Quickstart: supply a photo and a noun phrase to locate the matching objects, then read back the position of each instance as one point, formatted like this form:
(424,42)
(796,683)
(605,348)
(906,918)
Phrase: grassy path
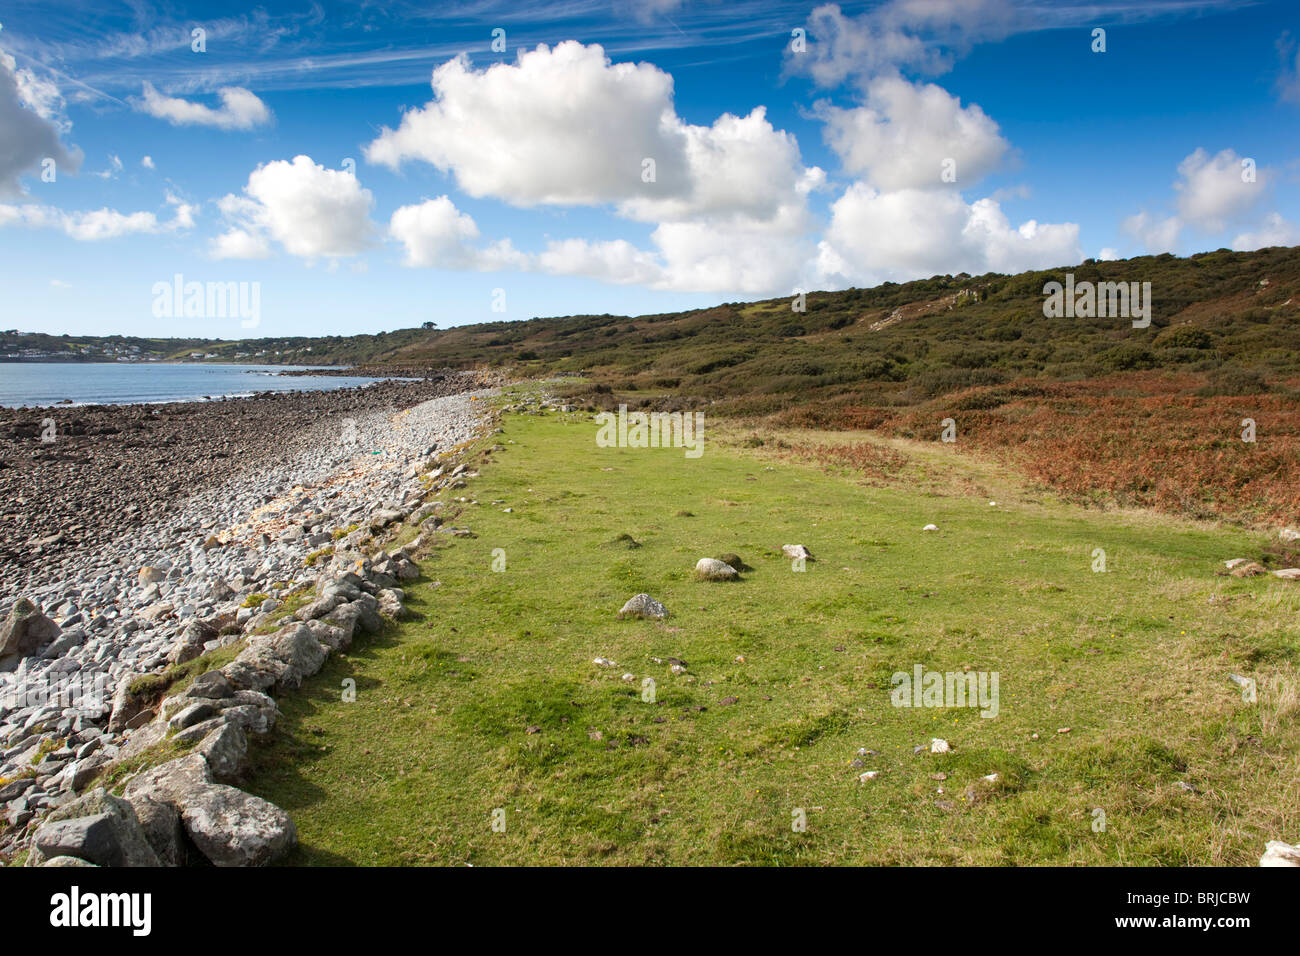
(1134,662)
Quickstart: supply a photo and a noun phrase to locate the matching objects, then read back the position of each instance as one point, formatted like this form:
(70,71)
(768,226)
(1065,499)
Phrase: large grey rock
(317,608)
(195,713)
(99,828)
(210,685)
(228,826)
(190,644)
(254,719)
(172,781)
(26,631)
(125,705)
(345,617)
(86,770)
(405,569)
(233,828)
(282,660)
(331,635)
(253,672)
(161,823)
(15,789)
(66,642)
(390,603)
(711,569)
(643,605)
(225,747)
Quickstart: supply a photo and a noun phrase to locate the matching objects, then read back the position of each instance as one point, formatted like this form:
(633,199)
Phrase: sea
(120,383)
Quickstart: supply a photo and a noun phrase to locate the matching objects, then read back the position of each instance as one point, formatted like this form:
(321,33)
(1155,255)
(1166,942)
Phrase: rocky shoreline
(109,468)
(101,624)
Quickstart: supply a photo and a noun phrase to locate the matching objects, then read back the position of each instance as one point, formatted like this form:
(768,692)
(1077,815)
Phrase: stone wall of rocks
(71,649)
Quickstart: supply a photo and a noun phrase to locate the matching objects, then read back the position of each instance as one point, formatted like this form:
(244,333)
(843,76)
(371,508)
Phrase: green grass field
(488,698)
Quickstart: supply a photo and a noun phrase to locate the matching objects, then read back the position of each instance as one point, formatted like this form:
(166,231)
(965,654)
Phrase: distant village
(12,349)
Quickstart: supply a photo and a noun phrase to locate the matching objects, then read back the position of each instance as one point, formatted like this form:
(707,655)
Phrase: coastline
(248,381)
(237,505)
(113,468)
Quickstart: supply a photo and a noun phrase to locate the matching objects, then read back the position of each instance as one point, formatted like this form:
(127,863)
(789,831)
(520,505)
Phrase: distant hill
(894,344)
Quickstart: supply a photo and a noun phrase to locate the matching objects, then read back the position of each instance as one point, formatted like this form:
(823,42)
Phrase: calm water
(118,383)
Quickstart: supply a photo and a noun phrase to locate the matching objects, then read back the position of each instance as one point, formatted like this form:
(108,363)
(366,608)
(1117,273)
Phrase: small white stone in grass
(603,662)
(1278,853)
(869,775)
(629,677)
(939,746)
(1234,563)
(931,527)
(993,504)
(677,669)
(991,778)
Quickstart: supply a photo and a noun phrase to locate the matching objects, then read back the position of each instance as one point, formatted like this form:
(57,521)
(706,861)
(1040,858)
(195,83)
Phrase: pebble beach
(141,527)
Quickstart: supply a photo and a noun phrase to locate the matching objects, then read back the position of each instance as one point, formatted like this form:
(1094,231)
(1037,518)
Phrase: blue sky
(517,178)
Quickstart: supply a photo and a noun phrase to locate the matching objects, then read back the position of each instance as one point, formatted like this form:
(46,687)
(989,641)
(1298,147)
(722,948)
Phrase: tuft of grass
(177,677)
(315,556)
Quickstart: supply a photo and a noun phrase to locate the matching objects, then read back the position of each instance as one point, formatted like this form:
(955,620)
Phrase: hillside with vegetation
(1091,407)
(1231,314)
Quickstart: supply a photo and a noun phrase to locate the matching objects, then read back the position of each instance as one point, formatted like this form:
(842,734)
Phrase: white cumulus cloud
(565,126)
(97,224)
(1157,235)
(309,210)
(240,109)
(29,129)
(1273,231)
(921,35)
(907,234)
(437,235)
(1211,194)
(904,133)
(1215,190)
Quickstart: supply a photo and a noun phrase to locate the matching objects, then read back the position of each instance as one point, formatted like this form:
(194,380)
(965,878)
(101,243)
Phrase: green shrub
(1184,337)
(1128,356)
(1232,380)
